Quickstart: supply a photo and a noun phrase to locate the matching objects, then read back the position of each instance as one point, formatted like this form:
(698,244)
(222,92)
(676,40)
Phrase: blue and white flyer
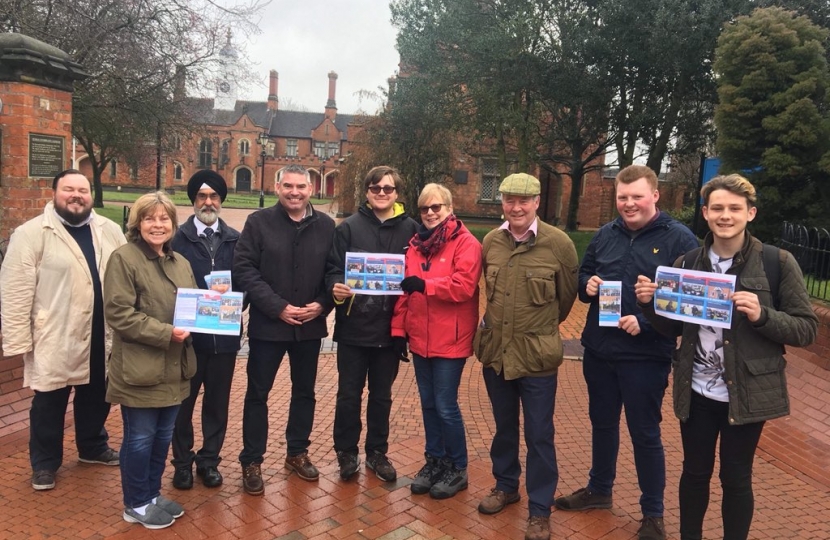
(374,273)
(610,303)
(694,297)
(208,312)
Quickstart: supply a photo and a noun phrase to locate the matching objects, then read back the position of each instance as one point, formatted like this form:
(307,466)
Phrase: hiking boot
(252,479)
(451,482)
(651,528)
(183,478)
(496,501)
(348,463)
(107,457)
(382,467)
(171,507)
(538,528)
(583,499)
(154,517)
(43,480)
(301,465)
(427,476)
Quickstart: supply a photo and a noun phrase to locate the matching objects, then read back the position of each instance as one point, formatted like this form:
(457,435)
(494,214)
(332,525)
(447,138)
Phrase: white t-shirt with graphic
(707,372)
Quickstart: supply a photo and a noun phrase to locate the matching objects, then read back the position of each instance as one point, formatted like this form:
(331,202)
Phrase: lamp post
(322,181)
(263,140)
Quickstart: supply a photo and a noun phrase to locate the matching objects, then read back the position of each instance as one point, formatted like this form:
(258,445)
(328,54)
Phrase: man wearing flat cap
(208,243)
(530,275)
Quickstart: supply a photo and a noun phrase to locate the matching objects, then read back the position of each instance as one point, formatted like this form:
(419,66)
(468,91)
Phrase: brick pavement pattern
(792,476)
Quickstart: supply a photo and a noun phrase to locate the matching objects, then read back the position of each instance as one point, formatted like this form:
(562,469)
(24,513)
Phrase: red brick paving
(792,476)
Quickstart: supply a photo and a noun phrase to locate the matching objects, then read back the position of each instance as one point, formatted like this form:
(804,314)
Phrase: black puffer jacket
(187,243)
(753,352)
(366,320)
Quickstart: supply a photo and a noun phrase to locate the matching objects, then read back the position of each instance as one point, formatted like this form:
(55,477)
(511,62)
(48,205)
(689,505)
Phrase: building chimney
(179,82)
(392,81)
(331,104)
(273,99)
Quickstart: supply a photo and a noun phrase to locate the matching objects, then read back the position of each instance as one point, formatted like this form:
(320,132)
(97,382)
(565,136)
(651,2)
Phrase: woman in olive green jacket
(151,360)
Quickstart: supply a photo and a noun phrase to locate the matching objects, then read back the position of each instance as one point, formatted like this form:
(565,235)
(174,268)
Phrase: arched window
(244,147)
(224,156)
(177,172)
(205,153)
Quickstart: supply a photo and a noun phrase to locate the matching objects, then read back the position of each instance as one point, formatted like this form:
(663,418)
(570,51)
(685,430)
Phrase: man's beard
(208,217)
(71,217)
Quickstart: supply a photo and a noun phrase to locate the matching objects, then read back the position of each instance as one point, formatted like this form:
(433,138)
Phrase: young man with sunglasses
(365,348)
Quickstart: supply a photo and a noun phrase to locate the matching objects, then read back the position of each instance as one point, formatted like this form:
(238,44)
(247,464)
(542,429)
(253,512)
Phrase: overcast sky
(304,40)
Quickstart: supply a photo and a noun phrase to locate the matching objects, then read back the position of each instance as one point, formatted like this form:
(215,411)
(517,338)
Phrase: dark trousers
(707,420)
(215,372)
(537,398)
(639,387)
(264,360)
(354,366)
(48,412)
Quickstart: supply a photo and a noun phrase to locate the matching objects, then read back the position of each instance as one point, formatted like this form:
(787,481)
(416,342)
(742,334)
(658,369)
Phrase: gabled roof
(204,113)
(297,124)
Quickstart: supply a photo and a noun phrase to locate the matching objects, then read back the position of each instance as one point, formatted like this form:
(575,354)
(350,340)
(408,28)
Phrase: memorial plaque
(45,155)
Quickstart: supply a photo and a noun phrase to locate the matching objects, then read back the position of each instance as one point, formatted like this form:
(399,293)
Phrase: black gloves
(399,346)
(413,284)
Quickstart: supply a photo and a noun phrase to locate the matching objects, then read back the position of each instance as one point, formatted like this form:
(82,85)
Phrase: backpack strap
(773,259)
(688,259)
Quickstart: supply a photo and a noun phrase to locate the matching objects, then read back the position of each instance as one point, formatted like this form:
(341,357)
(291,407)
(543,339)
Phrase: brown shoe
(496,501)
(538,528)
(301,465)
(252,479)
(651,528)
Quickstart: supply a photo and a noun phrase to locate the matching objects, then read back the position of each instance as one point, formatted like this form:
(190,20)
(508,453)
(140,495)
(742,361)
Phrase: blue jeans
(537,396)
(438,381)
(143,455)
(640,387)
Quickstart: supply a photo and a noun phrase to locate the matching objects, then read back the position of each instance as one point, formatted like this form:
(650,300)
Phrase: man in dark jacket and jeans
(363,327)
(628,365)
(280,262)
(207,242)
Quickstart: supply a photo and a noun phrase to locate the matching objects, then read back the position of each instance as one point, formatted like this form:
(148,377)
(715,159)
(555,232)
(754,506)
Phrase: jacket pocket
(490,281)
(759,286)
(483,345)
(142,365)
(543,352)
(188,360)
(765,384)
(541,287)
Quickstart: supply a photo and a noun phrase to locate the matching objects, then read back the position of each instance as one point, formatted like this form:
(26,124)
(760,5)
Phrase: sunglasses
(386,189)
(435,209)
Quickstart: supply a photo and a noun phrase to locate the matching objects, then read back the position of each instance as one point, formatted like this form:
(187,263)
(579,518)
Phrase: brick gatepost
(36,85)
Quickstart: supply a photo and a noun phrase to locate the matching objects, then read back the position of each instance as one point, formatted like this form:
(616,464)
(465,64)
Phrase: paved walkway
(792,484)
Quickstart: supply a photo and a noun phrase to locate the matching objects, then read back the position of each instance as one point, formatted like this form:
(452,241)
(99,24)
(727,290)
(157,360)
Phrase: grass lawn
(580,238)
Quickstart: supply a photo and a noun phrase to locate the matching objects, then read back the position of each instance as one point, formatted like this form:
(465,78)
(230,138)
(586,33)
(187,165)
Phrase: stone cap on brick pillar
(25,59)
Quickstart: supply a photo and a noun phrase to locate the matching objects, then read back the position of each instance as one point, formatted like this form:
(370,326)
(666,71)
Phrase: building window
(177,172)
(291,147)
(244,147)
(113,168)
(320,149)
(490,180)
(224,156)
(176,143)
(332,149)
(205,153)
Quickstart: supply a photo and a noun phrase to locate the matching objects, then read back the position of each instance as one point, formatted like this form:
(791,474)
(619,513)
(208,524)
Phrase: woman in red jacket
(439,314)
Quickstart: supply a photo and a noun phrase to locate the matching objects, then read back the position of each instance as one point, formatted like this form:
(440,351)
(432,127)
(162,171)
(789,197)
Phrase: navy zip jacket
(187,243)
(615,254)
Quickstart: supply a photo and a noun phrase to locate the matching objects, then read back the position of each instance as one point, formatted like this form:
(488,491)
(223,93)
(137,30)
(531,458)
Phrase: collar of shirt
(200,227)
(67,224)
(533,229)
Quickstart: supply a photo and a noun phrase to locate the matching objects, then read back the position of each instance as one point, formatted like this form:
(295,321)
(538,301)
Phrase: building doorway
(243,180)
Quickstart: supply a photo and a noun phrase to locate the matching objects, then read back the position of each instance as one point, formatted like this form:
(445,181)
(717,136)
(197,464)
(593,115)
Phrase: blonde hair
(146,205)
(733,183)
(435,190)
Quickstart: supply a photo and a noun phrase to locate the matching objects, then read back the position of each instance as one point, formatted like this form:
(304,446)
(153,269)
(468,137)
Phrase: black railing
(811,248)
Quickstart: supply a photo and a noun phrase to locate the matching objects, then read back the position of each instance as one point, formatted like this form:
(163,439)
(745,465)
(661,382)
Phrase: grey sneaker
(583,499)
(171,507)
(382,467)
(429,474)
(153,518)
(107,457)
(651,528)
(451,482)
(43,480)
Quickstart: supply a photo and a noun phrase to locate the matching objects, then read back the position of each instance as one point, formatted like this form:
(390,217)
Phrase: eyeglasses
(202,197)
(386,189)
(434,207)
